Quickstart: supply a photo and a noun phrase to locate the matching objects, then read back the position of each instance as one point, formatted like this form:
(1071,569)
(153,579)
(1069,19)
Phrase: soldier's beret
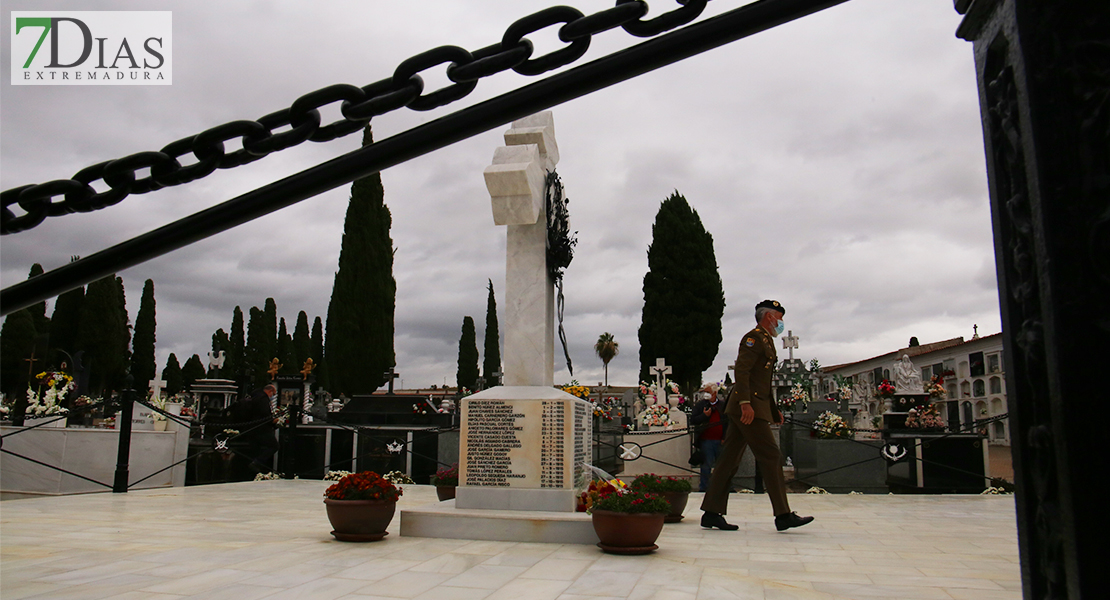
(772,304)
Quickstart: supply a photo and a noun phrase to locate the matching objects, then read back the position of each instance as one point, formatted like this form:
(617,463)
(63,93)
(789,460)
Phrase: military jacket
(755,364)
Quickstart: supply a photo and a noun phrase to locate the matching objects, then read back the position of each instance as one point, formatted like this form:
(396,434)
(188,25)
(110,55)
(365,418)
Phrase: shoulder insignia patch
(749,342)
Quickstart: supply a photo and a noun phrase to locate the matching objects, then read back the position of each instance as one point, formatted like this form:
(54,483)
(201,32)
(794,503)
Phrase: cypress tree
(234,366)
(192,371)
(302,343)
(172,375)
(38,310)
(104,336)
(269,337)
(21,350)
(65,322)
(317,354)
(143,365)
(359,344)
(491,362)
(683,296)
(467,375)
(220,342)
(17,343)
(252,352)
(285,352)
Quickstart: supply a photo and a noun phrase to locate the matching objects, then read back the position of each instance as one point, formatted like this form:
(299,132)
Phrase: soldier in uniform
(751,410)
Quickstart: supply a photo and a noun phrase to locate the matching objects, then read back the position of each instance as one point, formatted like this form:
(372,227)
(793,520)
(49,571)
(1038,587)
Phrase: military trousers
(765,448)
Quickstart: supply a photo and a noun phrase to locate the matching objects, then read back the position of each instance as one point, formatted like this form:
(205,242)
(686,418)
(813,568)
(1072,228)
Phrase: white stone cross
(660,369)
(791,342)
(156,387)
(515,182)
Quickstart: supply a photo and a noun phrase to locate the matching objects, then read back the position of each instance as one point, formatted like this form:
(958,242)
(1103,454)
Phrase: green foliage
(491,363)
(633,502)
(262,344)
(143,365)
(172,375)
(192,371)
(683,296)
(104,335)
(467,375)
(359,343)
(606,348)
(650,482)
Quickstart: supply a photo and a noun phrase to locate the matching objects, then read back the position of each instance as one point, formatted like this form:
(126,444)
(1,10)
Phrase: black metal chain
(357,105)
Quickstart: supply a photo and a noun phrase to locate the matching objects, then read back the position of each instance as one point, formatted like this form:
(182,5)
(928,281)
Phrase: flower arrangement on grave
(160,404)
(446,476)
(797,399)
(606,408)
(885,389)
(576,389)
(927,417)
(336,475)
(366,485)
(5,408)
(830,425)
(644,392)
(48,402)
(935,388)
(657,415)
(421,409)
(397,478)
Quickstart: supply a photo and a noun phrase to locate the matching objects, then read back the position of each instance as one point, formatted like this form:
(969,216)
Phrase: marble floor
(270,540)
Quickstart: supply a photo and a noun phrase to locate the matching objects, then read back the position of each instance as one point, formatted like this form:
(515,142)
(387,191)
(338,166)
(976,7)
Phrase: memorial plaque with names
(529,444)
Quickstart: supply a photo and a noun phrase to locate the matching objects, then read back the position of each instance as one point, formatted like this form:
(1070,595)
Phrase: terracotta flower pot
(360,520)
(445,492)
(678,505)
(624,533)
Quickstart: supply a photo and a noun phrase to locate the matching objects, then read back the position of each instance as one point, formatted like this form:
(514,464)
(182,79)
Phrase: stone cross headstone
(515,182)
(661,370)
(522,444)
(790,342)
(156,387)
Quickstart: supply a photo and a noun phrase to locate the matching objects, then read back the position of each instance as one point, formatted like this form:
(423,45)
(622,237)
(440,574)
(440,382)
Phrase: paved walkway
(270,540)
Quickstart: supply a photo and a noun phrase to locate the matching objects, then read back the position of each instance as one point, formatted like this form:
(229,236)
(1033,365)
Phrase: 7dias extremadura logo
(92,48)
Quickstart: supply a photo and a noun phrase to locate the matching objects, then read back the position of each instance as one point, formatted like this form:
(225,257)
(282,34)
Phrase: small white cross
(156,387)
(660,369)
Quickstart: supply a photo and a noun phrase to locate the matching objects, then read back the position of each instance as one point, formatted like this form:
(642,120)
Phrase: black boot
(790,519)
(709,520)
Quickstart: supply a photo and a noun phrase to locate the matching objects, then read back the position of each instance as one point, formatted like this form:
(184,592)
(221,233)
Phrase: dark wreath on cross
(560,246)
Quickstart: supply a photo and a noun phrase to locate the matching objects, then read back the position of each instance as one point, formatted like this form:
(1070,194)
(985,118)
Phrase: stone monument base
(444,520)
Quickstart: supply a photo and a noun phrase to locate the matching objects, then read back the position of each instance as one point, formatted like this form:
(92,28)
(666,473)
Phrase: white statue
(907,379)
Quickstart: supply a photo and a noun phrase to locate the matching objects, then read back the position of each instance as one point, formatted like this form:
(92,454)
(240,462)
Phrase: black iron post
(123,425)
(1043,70)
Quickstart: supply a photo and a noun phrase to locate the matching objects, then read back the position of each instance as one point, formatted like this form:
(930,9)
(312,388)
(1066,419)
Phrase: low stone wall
(816,461)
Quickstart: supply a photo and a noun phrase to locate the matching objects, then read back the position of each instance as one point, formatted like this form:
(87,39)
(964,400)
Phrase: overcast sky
(836,160)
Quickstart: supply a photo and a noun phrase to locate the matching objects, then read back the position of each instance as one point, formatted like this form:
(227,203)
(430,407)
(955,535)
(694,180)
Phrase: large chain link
(357,106)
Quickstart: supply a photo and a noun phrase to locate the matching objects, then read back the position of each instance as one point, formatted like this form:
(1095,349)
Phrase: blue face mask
(779,328)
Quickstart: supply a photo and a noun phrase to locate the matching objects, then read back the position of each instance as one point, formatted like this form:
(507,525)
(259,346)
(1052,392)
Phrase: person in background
(709,419)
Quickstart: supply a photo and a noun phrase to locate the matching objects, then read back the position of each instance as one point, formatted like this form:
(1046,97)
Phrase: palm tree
(606,348)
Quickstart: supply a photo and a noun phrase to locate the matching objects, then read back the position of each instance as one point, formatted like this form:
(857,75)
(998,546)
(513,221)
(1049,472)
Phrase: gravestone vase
(360,520)
(627,533)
